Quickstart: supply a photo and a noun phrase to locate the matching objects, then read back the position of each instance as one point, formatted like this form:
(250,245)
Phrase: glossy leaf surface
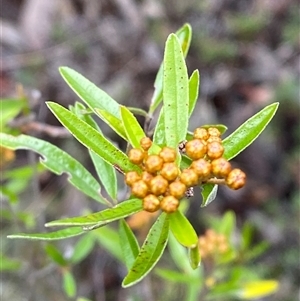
(184,35)
(106,174)
(115,123)
(248,131)
(58,162)
(209,193)
(183,230)
(103,217)
(129,245)
(91,138)
(134,131)
(150,252)
(89,92)
(57,235)
(194,83)
(175,93)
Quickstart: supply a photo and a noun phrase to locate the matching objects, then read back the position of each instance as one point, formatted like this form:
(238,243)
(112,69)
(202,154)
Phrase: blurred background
(247,52)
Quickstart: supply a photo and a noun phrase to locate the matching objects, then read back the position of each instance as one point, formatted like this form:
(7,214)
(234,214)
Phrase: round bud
(177,189)
(202,168)
(214,139)
(131,177)
(169,204)
(151,203)
(201,133)
(169,171)
(146,177)
(189,177)
(145,143)
(153,163)
(220,167)
(195,149)
(168,154)
(136,156)
(158,185)
(236,179)
(215,150)
(139,189)
(214,132)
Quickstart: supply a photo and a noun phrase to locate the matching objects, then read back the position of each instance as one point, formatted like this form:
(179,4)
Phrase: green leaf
(159,131)
(69,284)
(194,256)
(258,289)
(209,193)
(183,230)
(58,162)
(91,138)
(248,131)
(9,264)
(134,131)
(175,276)
(151,251)
(9,109)
(129,245)
(194,83)
(184,35)
(82,248)
(179,254)
(105,171)
(55,255)
(106,174)
(57,235)
(175,93)
(108,238)
(89,93)
(115,123)
(101,218)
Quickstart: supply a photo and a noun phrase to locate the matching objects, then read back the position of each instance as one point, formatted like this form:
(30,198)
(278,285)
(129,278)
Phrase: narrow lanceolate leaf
(105,171)
(57,235)
(209,193)
(159,131)
(134,131)
(58,162)
(106,174)
(183,230)
(194,257)
(175,93)
(89,93)
(194,83)
(91,138)
(150,252)
(248,131)
(113,122)
(184,35)
(129,245)
(101,218)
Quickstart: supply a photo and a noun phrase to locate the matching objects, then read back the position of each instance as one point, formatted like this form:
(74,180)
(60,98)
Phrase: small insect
(189,192)
(181,146)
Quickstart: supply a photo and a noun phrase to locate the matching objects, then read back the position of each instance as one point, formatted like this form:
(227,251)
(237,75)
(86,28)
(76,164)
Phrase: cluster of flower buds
(162,183)
(212,243)
(158,184)
(206,151)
